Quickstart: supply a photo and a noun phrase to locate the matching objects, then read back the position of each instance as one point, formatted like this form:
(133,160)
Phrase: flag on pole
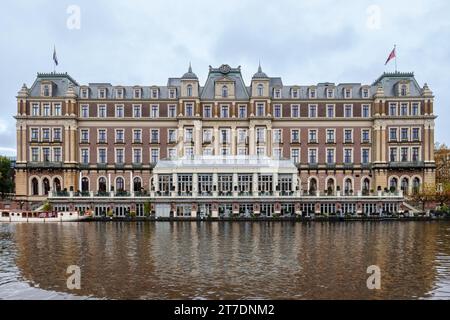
(391,56)
(55,58)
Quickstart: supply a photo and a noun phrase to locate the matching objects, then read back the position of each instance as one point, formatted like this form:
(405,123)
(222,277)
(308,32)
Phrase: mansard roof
(388,81)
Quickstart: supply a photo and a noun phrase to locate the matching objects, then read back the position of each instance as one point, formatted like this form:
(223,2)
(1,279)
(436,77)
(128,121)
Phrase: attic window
(312,93)
(155,94)
(403,90)
(137,93)
(277,93)
(172,94)
(330,93)
(348,93)
(46,91)
(84,93)
(102,93)
(365,93)
(294,93)
(119,93)
(224,92)
(189,90)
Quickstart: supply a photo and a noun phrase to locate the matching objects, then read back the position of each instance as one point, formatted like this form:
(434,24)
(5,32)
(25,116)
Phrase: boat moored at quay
(41,217)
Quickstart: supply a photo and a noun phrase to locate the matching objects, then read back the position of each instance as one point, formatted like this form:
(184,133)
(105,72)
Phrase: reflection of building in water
(231,260)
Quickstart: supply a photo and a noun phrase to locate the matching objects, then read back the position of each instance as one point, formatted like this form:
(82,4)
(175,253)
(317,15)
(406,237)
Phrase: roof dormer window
(46,90)
(277,93)
(189,90)
(102,93)
(403,90)
(224,92)
(312,93)
(294,93)
(172,93)
(84,93)
(137,93)
(155,93)
(365,93)
(348,93)
(119,93)
(330,93)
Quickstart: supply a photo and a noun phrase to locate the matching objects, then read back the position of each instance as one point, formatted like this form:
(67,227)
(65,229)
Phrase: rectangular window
(295,155)
(330,110)
(295,136)
(330,136)
(242,151)
(225,136)
(261,151)
(102,136)
(102,156)
(277,153)
(188,135)
(392,109)
(365,154)
(393,134)
(172,94)
(242,136)
(154,136)
(330,156)
(404,154)
(85,136)
(348,93)
(172,153)
(34,154)
(137,111)
(277,135)
(189,110)
(348,111)
(415,134)
(207,112)
(120,156)
(260,110)
(172,136)
(137,136)
(365,136)
(224,112)
(295,111)
(365,111)
(85,111)
(348,156)
(404,134)
(312,156)
(415,111)
(57,155)
(260,135)
(312,138)
(84,156)
(46,134)
(46,108)
(277,111)
(34,134)
(207,135)
(137,156)
(189,152)
(404,109)
(172,112)
(154,111)
(312,111)
(120,136)
(348,136)
(46,155)
(393,154)
(57,109)
(35,110)
(119,111)
(102,111)
(242,111)
(415,154)
(57,134)
(137,93)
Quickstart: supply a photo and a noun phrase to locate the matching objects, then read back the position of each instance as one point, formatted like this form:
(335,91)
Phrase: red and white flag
(391,56)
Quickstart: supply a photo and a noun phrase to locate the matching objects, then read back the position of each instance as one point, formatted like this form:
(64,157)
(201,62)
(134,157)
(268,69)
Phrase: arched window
(120,184)
(224,92)
(348,186)
(137,184)
(403,90)
(416,185)
(102,184)
(46,186)
(405,185)
(85,184)
(260,90)
(366,186)
(393,184)
(312,186)
(189,90)
(35,187)
(56,185)
(330,186)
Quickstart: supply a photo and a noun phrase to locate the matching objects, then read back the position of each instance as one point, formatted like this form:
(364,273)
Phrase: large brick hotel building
(223,148)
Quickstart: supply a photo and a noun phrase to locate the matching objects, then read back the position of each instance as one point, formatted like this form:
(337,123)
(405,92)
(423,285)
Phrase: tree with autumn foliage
(426,195)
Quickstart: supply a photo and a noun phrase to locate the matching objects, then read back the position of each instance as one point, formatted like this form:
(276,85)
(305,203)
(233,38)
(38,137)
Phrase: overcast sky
(145,42)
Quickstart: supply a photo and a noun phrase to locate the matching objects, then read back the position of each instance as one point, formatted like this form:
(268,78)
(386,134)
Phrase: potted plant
(132,214)
(109,213)
(47,207)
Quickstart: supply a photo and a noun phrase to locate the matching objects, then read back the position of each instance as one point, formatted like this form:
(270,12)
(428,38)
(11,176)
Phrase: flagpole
(395,51)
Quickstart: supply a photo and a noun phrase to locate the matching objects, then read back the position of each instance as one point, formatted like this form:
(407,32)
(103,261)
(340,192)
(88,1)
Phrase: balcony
(313,165)
(331,165)
(102,165)
(84,141)
(137,165)
(120,141)
(119,165)
(121,194)
(84,166)
(45,164)
(102,141)
(406,164)
(348,165)
(137,141)
(154,141)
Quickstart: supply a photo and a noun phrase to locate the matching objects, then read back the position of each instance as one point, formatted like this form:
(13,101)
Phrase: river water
(225,260)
